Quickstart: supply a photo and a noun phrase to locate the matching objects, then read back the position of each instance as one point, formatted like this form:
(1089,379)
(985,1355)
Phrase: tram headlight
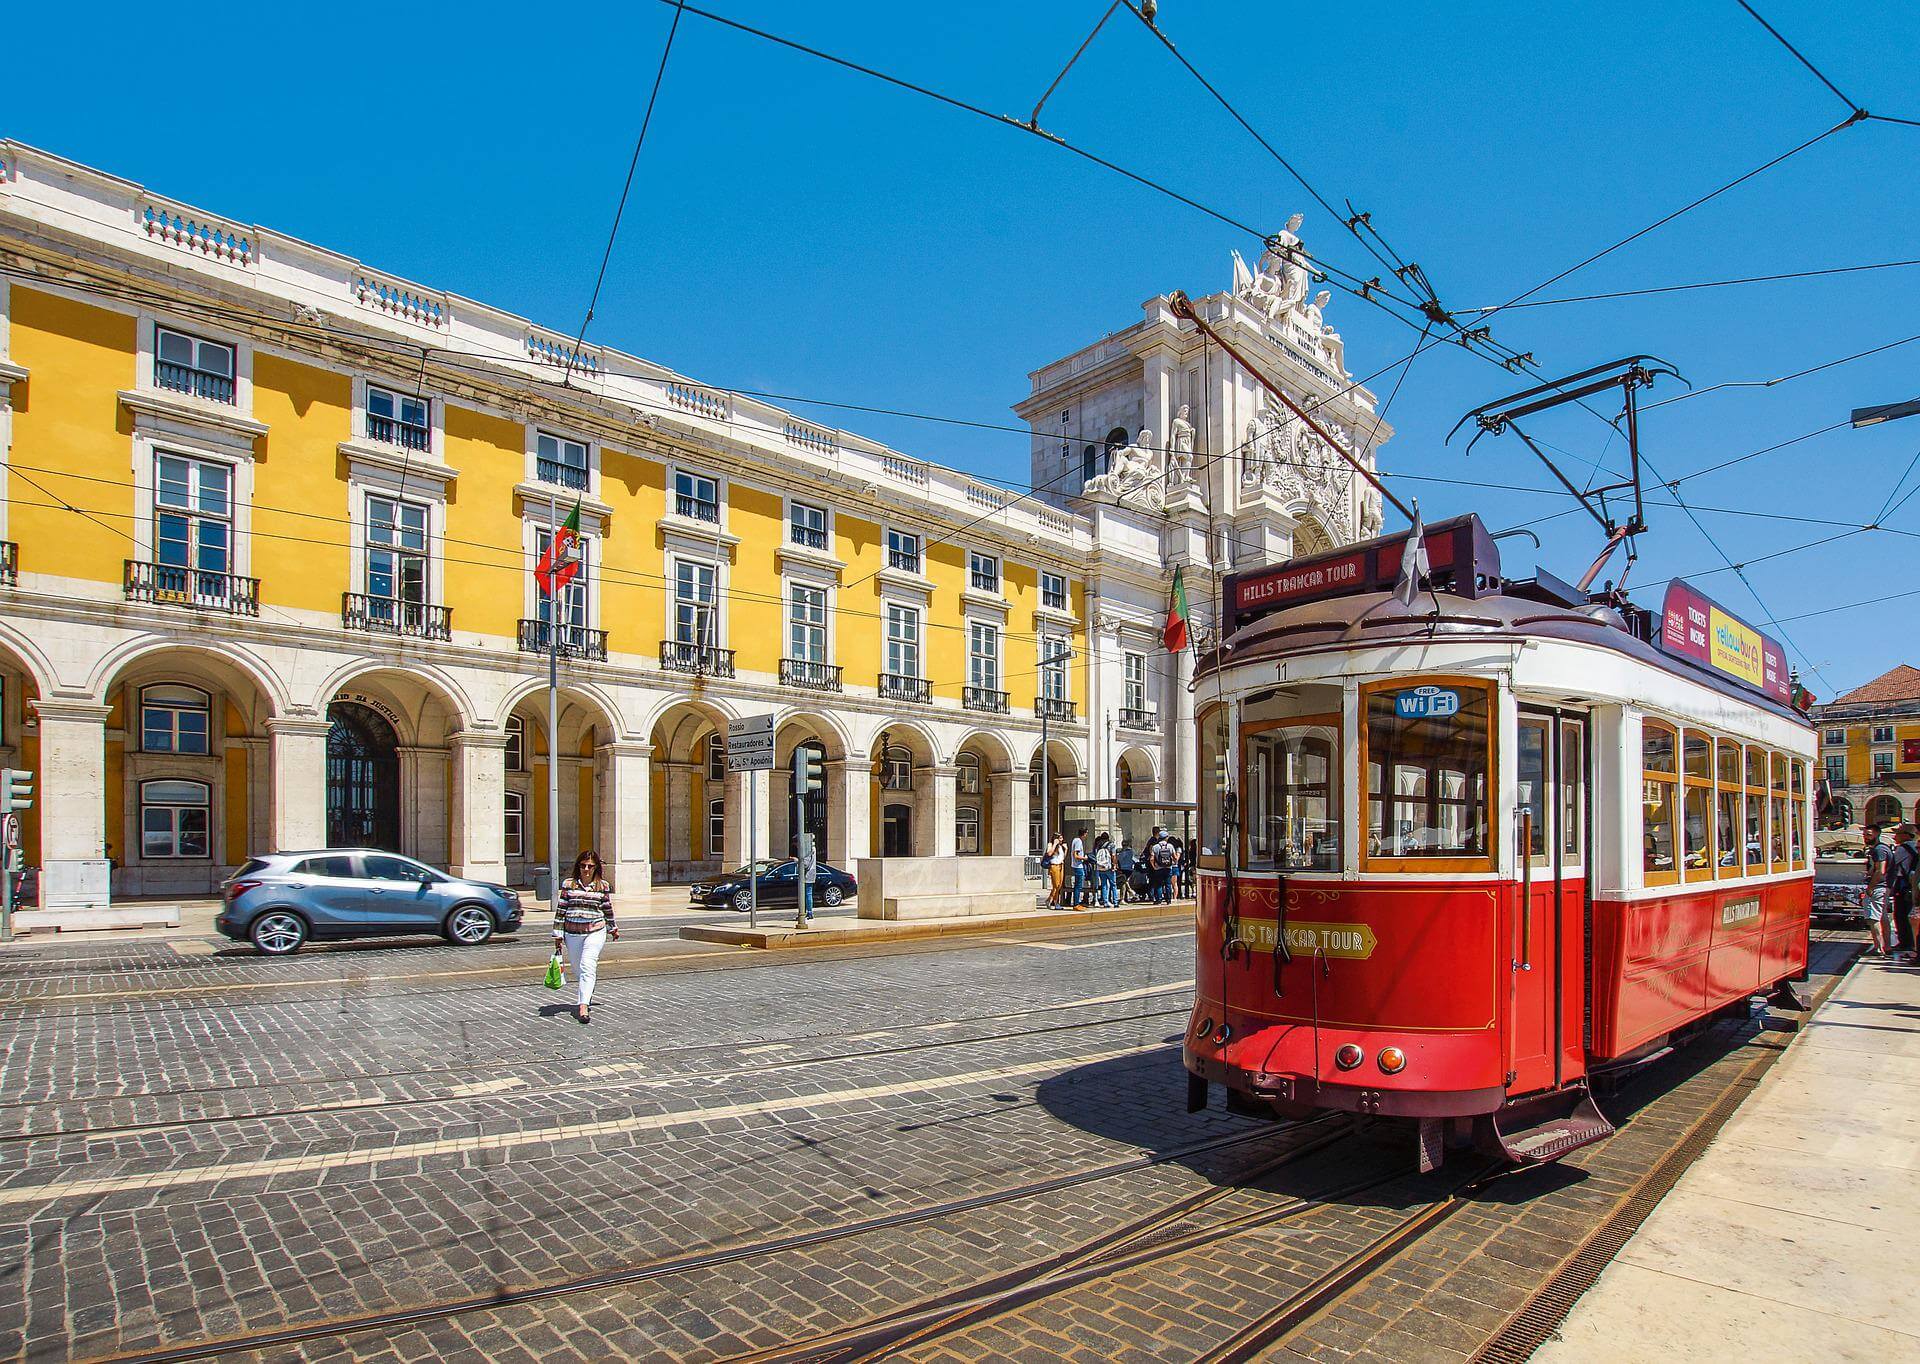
(1348,1057)
(1392,1060)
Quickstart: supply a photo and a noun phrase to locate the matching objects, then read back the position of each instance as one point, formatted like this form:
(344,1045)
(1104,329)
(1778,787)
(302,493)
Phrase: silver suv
(279,901)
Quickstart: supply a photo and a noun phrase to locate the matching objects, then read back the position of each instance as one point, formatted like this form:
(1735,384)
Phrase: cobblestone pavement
(946,1149)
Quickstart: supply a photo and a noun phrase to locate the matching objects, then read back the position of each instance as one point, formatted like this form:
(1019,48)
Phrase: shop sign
(1355,942)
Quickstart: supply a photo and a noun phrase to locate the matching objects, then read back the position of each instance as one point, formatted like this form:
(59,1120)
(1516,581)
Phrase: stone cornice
(194,411)
(394,459)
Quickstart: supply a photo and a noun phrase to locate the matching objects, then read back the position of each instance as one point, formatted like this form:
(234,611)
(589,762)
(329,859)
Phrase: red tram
(1456,857)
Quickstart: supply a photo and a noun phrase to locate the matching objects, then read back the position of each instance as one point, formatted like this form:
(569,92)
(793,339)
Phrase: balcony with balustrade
(411,437)
(194,588)
(696,508)
(561,474)
(571,641)
(390,616)
(701,660)
(9,563)
(199,383)
(899,687)
(1054,707)
(988,699)
(811,676)
(1135,717)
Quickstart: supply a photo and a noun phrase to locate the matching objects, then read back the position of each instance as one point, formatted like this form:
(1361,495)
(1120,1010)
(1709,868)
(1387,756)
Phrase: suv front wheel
(278,932)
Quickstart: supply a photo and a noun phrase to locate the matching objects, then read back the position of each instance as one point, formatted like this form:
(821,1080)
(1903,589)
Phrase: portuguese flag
(1174,634)
(558,565)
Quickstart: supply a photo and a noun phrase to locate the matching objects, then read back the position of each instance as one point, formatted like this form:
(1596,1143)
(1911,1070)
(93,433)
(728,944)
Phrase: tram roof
(1344,600)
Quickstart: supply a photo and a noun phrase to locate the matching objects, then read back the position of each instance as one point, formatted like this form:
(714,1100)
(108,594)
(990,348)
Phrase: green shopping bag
(556,974)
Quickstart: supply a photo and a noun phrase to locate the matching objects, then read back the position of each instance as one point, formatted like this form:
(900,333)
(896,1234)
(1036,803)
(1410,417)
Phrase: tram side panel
(1662,962)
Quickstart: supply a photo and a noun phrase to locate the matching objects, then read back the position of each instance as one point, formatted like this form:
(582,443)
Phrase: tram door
(1546,947)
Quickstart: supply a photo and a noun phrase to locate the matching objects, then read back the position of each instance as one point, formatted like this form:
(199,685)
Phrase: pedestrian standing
(1126,860)
(1077,852)
(1056,856)
(1874,902)
(806,867)
(1104,890)
(1903,863)
(1161,859)
(583,924)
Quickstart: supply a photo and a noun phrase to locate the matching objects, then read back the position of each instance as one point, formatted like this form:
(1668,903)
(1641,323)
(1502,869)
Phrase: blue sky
(801,229)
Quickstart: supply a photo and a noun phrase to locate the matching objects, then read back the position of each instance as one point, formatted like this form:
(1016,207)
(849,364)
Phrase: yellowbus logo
(1735,649)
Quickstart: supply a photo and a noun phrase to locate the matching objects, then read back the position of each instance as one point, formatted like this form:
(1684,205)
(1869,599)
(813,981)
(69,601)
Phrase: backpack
(1902,861)
(1103,858)
(1163,855)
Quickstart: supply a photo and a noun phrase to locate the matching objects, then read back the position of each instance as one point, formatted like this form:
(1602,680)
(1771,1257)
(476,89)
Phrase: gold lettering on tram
(1354,942)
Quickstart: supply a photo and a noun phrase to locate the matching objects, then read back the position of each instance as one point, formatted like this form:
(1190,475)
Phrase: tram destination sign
(1460,553)
(1695,627)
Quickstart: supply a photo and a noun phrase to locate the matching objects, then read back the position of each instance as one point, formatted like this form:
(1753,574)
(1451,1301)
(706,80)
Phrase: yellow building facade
(271,525)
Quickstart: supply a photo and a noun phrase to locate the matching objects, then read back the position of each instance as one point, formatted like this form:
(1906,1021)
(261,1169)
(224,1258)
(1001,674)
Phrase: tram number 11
(1426,703)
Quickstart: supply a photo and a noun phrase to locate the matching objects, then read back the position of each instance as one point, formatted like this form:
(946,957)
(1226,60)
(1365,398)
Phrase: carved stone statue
(1372,515)
(1133,474)
(1180,455)
(1281,281)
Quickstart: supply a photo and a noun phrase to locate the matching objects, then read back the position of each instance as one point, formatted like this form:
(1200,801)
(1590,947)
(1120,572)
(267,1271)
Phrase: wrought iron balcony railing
(984,698)
(9,563)
(573,641)
(199,382)
(801,672)
(808,537)
(562,475)
(388,616)
(1053,707)
(696,508)
(1133,717)
(409,436)
(898,687)
(703,660)
(200,589)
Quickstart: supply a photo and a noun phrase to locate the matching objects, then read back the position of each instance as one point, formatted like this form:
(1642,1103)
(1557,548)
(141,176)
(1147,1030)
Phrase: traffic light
(810,774)
(16,790)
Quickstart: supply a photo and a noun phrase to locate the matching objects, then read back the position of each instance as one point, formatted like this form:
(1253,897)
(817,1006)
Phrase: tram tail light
(1221,1034)
(1392,1060)
(1348,1057)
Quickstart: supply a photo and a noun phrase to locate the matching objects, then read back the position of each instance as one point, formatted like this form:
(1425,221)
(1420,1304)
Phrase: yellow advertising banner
(1735,649)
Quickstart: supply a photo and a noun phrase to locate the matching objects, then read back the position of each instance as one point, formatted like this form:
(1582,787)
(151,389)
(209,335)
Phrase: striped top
(582,909)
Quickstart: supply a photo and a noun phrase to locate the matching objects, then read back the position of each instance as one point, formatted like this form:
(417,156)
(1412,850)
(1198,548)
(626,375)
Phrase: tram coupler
(1196,1093)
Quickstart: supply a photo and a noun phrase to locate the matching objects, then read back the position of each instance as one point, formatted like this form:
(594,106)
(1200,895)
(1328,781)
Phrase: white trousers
(583,960)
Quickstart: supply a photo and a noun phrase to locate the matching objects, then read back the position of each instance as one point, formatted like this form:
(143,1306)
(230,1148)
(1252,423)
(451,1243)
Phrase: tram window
(1777,815)
(1727,796)
(1290,782)
(1797,812)
(1573,786)
(1213,782)
(1753,844)
(1533,775)
(1427,773)
(1696,802)
(1658,779)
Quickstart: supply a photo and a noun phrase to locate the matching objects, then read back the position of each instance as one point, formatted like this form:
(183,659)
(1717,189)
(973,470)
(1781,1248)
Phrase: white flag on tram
(1414,568)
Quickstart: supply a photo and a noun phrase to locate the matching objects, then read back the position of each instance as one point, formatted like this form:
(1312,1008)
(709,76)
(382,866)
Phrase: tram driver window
(1213,782)
(1658,777)
(1428,754)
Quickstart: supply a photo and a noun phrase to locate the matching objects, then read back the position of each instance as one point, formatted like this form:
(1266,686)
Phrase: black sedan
(779,884)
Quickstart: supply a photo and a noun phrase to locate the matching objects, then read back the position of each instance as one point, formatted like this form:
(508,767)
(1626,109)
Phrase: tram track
(90,1134)
(1302,1139)
(544,1065)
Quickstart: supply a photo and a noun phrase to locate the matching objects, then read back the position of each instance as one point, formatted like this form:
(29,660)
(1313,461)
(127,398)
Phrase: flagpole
(553,712)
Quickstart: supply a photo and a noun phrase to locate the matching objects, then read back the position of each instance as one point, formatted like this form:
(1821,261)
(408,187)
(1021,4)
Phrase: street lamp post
(1047,660)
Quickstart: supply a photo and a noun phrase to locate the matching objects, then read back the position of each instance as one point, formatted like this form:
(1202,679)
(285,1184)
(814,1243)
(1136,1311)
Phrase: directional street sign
(750,744)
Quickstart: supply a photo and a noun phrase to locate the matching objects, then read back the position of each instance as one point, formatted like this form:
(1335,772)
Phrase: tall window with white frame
(1053,669)
(189,364)
(1133,688)
(983,572)
(175,718)
(515,813)
(176,820)
(983,662)
(1053,591)
(696,497)
(399,418)
(716,757)
(806,525)
(1836,769)
(807,633)
(516,757)
(396,552)
(570,613)
(903,644)
(193,530)
(716,829)
(903,551)
(696,625)
(560,461)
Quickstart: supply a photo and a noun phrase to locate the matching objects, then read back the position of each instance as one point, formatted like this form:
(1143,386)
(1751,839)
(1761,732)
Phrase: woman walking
(582,924)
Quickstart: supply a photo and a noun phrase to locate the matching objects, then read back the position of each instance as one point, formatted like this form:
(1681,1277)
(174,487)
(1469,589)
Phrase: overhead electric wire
(620,210)
(1701,284)
(1784,378)
(1853,105)
(1752,454)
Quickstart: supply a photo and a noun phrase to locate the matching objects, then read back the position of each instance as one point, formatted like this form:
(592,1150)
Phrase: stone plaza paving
(947,1149)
